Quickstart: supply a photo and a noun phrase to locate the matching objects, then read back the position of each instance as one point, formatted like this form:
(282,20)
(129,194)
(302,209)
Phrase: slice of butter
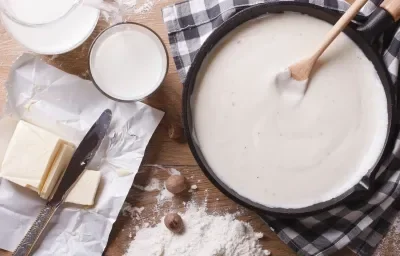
(30,155)
(84,191)
(58,168)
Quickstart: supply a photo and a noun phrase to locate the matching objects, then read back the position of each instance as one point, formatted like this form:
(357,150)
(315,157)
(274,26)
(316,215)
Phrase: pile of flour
(204,234)
(115,11)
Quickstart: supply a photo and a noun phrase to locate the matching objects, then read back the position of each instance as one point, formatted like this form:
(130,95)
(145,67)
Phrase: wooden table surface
(162,152)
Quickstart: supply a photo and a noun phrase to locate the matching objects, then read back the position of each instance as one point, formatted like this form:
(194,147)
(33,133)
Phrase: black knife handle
(27,244)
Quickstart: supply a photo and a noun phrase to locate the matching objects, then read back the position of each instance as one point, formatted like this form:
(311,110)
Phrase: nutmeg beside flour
(176,184)
(174,222)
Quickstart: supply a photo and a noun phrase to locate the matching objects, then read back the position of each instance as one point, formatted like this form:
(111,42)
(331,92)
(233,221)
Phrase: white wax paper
(68,106)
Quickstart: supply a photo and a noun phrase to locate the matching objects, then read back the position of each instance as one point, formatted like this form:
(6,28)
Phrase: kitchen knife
(82,156)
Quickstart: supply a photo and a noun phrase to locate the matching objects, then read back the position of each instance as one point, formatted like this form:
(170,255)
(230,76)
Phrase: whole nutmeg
(176,184)
(174,222)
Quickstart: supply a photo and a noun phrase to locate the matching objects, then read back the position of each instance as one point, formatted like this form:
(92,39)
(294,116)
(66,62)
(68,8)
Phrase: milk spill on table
(274,153)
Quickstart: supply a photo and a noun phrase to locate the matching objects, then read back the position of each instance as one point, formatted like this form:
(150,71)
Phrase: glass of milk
(37,12)
(128,62)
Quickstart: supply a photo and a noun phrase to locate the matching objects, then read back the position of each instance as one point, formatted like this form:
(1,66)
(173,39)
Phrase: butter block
(84,191)
(57,170)
(30,155)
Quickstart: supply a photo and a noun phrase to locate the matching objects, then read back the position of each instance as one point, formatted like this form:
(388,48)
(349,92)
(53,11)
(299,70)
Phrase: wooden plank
(161,150)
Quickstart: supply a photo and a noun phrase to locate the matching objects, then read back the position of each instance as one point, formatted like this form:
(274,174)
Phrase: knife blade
(82,156)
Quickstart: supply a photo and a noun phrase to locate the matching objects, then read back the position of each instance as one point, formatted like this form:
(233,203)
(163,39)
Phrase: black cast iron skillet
(363,36)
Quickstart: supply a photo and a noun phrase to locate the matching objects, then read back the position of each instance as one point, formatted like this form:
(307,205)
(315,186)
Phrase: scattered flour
(145,7)
(396,225)
(127,4)
(173,171)
(138,187)
(154,185)
(164,196)
(204,234)
(390,245)
(114,11)
(128,209)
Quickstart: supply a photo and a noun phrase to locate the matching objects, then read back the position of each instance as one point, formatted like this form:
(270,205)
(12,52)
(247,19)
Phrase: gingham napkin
(360,226)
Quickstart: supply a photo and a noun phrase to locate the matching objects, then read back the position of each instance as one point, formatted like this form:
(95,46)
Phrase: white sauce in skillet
(280,154)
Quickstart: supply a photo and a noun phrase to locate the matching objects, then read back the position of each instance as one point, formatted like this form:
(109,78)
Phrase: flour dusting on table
(391,243)
(164,196)
(205,234)
(154,184)
(134,212)
(114,11)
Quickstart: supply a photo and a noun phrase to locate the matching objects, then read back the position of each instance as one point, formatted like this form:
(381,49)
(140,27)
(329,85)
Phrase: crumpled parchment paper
(68,106)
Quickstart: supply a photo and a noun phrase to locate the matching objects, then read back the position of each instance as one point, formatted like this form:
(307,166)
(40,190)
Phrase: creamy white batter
(128,62)
(274,153)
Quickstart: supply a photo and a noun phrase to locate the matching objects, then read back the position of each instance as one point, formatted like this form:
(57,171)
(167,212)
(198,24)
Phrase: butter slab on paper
(68,105)
(57,170)
(30,155)
(84,192)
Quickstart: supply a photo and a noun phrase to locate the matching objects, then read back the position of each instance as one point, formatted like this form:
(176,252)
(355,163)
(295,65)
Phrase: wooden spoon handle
(393,7)
(341,24)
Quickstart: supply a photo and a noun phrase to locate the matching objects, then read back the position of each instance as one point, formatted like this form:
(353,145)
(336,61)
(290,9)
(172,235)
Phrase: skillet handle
(393,7)
(382,18)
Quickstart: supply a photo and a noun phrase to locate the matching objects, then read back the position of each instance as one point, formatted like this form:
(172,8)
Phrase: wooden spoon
(301,70)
